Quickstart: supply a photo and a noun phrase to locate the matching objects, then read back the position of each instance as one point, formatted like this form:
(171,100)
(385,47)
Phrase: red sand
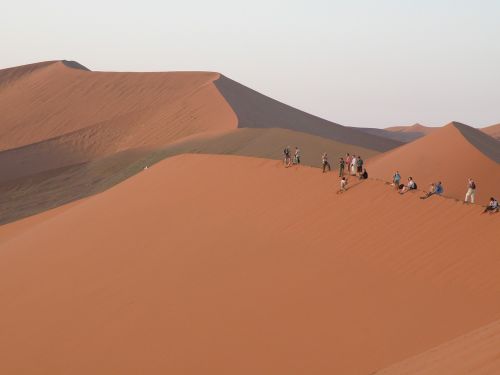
(231,265)
(445,155)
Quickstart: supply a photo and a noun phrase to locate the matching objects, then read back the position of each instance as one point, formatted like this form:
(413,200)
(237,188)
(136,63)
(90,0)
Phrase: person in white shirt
(354,162)
(411,185)
(343,185)
(492,206)
(471,191)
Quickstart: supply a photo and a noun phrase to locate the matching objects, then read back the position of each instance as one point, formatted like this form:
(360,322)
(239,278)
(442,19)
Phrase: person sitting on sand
(411,185)
(432,190)
(324,161)
(343,185)
(296,156)
(492,206)
(439,188)
(341,167)
(364,175)
(396,180)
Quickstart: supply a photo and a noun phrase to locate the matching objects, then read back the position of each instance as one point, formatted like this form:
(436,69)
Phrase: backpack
(473,185)
(414,185)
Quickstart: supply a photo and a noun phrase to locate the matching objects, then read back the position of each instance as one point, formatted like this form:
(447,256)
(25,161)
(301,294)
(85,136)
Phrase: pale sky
(360,63)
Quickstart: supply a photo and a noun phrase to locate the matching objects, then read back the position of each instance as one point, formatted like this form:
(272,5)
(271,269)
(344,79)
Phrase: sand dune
(33,174)
(140,109)
(224,265)
(493,131)
(255,110)
(415,129)
(477,353)
(86,130)
(451,155)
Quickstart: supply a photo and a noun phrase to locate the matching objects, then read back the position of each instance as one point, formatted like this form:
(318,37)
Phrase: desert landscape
(148,225)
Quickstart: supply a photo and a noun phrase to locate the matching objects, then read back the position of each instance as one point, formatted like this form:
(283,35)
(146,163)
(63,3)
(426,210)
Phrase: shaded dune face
(255,110)
(217,272)
(451,154)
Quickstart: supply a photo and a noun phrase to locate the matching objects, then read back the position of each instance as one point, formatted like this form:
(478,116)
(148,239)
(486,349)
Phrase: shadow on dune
(255,110)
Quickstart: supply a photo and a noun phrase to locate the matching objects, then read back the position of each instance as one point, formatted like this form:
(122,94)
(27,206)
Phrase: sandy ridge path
(445,155)
(223,264)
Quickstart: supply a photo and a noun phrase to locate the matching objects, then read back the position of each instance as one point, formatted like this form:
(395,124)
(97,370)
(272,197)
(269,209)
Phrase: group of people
(355,167)
(288,156)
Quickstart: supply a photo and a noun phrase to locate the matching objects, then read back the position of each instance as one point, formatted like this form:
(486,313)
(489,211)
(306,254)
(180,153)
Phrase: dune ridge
(451,154)
(203,264)
(493,131)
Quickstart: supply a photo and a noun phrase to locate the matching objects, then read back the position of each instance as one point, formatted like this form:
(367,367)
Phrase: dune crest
(451,154)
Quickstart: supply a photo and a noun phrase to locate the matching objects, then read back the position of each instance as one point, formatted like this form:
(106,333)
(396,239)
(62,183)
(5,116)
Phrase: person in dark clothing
(341,167)
(364,175)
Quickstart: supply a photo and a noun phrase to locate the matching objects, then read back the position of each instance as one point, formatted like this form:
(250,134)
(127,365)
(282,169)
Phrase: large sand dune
(232,265)
(67,132)
(451,155)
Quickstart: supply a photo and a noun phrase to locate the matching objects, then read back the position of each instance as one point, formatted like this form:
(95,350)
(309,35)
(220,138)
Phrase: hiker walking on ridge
(296,157)
(492,206)
(341,167)
(287,159)
(324,161)
(471,191)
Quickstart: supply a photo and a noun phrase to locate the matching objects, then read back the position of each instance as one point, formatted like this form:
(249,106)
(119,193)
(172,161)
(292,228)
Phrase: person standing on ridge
(471,191)
(352,167)
(286,152)
(359,165)
(296,157)
(348,159)
(396,180)
(324,161)
(341,167)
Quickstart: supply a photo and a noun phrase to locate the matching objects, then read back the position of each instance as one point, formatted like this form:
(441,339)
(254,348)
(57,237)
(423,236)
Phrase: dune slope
(476,353)
(255,110)
(224,264)
(451,155)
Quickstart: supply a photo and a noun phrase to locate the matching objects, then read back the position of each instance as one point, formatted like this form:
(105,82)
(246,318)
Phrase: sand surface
(451,155)
(476,353)
(232,265)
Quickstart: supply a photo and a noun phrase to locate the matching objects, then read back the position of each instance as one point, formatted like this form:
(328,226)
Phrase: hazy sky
(362,63)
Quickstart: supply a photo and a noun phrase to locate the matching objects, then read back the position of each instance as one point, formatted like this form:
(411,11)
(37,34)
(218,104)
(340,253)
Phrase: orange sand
(232,265)
(445,155)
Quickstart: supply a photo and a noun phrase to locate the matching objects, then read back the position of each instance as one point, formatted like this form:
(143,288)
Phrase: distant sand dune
(493,131)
